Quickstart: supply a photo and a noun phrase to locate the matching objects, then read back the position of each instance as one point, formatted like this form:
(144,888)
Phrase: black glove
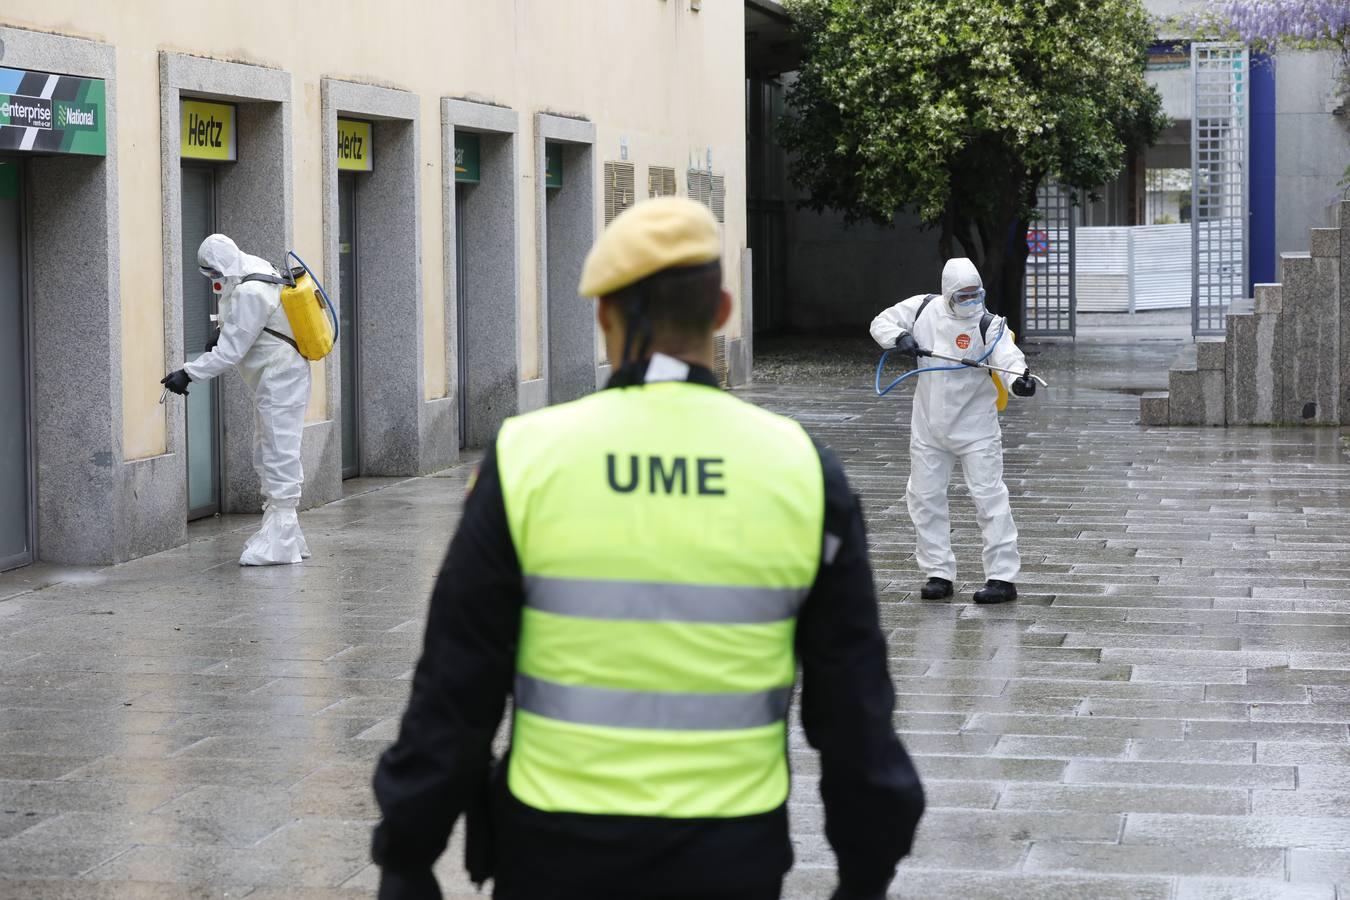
(844,892)
(1024,386)
(905,345)
(177,382)
(212,341)
(405,885)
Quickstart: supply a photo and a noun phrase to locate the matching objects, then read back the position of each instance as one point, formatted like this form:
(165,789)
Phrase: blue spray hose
(332,313)
(881,363)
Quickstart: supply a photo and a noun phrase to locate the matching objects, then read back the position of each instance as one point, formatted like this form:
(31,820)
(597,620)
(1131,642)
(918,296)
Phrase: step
(1344,311)
(1310,377)
(1295,262)
(1251,377)
(1153,408)
(1195,396)
(1209,350)
(1324,242)
(1186,360)
(1267,299)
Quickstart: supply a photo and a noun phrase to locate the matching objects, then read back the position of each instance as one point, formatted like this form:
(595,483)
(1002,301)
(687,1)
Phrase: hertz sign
(353,146)
(207,131)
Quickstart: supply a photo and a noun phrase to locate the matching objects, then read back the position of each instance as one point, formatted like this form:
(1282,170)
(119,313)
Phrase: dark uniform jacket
(442,759)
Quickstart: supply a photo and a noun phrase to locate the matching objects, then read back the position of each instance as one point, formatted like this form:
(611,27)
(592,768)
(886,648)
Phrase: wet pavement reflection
(1162,714)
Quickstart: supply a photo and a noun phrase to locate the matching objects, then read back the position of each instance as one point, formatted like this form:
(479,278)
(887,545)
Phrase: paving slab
(1162,715)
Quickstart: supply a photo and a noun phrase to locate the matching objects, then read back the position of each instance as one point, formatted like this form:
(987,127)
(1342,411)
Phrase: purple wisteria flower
(1268,24)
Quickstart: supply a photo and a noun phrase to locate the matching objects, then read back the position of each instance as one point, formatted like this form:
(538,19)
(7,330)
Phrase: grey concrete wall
(1312,147)
(254,205)
(249,209)
(1310,388)
(491,267)
(840,277)
(741,352)
(76,353)
(566,229)
(1344,311)
(400,432)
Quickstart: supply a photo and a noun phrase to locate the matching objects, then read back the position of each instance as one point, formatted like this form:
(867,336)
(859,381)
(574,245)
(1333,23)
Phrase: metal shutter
(718,197)
(620,189)
(720,367)
(700,186)
(660,181)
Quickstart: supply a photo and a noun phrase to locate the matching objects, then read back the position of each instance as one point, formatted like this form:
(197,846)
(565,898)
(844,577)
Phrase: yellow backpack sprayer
(308,309)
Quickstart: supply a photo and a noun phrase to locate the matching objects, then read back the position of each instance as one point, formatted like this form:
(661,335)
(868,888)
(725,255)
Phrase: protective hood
(957,274)
(220,254)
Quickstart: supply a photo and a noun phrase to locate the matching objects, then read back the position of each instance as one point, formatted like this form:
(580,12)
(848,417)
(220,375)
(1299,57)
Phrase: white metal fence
(1132,269)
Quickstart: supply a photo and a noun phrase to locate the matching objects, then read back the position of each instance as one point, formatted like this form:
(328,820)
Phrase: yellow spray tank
(310,313)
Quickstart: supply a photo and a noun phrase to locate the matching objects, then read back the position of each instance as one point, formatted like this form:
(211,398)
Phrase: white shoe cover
(279,541)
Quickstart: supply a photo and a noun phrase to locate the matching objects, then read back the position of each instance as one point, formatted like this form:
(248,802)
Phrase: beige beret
(653,235)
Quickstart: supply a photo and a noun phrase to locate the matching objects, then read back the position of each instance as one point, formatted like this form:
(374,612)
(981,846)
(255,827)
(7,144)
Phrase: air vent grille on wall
(700,186)
(660,181)
(720,358)
(620,190)
(718,198)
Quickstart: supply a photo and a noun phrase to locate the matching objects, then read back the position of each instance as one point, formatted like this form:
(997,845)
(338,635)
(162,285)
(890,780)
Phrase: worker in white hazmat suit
(955,417)
(256,338)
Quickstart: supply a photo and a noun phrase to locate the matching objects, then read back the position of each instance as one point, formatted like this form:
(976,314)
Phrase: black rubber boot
(936,589)
(995,591)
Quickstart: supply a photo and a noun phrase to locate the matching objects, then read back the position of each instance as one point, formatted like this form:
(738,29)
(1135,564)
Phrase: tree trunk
(1012,280)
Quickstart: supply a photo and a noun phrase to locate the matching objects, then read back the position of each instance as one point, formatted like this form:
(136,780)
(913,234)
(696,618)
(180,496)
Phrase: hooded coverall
(955,416)
(279,378)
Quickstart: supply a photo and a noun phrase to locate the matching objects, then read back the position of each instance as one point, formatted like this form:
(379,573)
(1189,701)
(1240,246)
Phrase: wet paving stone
(1161,716)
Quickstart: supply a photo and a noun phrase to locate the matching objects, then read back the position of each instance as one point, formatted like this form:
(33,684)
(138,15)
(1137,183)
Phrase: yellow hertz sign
(207,131)
(353,146)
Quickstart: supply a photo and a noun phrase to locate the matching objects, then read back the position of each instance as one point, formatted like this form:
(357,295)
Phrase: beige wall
(668,79)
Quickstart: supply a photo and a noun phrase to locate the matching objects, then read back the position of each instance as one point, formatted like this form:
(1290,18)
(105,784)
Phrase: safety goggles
(210,273)
(969,297)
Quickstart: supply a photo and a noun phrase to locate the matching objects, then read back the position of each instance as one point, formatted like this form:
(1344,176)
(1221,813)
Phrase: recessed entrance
(16,475)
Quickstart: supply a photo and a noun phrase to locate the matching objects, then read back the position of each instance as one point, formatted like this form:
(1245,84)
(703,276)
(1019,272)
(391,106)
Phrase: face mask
(968,300)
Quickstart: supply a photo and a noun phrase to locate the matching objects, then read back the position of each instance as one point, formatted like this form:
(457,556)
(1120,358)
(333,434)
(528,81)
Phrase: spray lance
(962,363)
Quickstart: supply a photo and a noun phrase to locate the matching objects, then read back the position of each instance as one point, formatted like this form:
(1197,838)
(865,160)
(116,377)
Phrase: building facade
(443,167)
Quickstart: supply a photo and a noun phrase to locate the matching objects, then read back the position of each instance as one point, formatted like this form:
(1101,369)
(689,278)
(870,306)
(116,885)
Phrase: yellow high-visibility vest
(668,535)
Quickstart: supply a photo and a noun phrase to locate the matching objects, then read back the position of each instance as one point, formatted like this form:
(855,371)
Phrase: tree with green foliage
(958,110)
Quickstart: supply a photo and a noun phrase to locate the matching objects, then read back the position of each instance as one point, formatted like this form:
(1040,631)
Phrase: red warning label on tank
(963,341)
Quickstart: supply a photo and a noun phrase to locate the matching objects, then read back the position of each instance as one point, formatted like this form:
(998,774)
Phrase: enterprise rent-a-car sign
(45,113)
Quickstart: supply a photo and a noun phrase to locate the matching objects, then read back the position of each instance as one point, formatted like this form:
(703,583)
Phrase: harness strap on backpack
(287,338)
(269,279)
(923,304)
(278,280)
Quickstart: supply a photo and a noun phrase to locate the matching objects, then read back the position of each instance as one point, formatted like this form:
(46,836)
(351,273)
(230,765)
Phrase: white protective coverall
(955,417)
(279,378)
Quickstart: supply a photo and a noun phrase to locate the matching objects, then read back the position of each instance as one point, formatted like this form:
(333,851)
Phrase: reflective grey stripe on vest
(663,602)
(649,709)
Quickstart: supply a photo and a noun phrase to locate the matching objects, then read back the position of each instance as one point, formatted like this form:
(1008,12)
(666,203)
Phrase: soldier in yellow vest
(643,571)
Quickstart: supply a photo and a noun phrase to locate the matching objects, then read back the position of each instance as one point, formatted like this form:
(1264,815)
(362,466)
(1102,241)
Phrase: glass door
(16,532)
(203,400)
(461,317)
